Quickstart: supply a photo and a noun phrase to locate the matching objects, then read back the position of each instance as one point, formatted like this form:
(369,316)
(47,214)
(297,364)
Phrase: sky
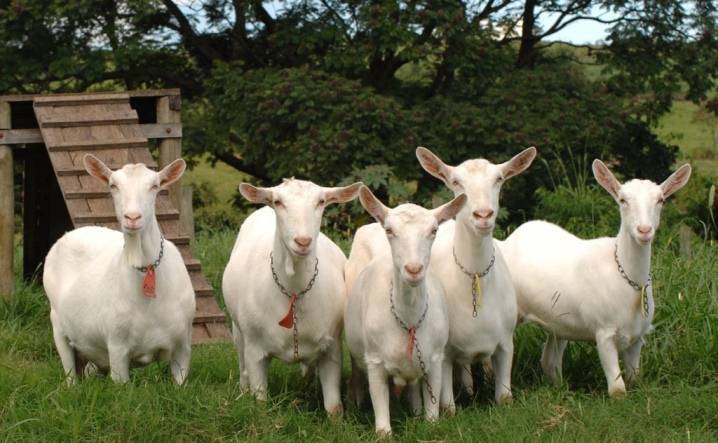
(580,32)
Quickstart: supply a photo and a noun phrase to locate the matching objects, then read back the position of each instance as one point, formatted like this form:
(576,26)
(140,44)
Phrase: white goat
(479,294)
(284,286)
(396,323)
(104,308)
(595,290)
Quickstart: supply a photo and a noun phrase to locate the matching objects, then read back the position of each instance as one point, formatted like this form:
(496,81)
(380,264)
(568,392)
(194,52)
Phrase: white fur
(489,335)
(572,287)
(98,308)
(375,338)
(255,303)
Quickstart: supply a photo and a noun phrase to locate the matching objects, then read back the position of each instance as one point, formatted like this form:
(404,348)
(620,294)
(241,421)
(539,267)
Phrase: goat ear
(449,210)
(171,173)
(96,168)
(433,164)
(255,194)
(519,163)
(342,194)
(605,178)
(372,204)
(676,181)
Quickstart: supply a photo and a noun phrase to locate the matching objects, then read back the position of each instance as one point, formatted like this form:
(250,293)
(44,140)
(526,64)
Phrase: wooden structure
(55,132)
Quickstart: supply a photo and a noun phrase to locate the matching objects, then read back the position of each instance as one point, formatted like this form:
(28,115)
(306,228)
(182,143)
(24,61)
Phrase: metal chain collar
(283,290)
(641,289)
(404,326)
(474,275)
(156,262)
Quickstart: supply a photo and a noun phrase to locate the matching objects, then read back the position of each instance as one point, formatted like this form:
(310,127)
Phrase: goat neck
(293,271)
(634,257)
(143,248)
(409,301)
(473,251)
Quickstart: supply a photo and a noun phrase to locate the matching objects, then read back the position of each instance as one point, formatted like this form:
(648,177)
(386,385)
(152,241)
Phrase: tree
(361,82)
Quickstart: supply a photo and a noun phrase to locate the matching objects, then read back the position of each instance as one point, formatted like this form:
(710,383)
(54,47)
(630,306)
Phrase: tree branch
(240,165)
(188,32)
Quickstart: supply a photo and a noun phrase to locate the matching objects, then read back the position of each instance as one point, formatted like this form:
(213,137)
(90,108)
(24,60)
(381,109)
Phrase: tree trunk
(527,53)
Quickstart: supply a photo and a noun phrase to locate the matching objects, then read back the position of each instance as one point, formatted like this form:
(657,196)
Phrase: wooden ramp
(106,126)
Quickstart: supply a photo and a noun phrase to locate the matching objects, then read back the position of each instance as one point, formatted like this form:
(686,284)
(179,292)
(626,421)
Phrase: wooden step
(98,194)
(89,217)
(200,285)
(203,317)
(83,171)
(207,305)
(192,264)
(80,99)
(83,145)
(208,333)
(86,115)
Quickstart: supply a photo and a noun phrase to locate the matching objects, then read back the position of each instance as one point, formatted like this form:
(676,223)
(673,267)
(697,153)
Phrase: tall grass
(675,398)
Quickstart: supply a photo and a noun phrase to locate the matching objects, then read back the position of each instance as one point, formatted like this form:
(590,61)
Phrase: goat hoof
(617,392)
(336,412)
(505,399)
(383,433)
(448,410)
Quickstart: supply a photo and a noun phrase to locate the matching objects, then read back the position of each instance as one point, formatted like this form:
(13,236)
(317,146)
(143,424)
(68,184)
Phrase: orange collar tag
(411,342)
(149,282)
(288,320)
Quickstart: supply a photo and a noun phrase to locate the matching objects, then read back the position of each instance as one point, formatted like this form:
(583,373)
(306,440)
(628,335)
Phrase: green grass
(694,138)
(674,400)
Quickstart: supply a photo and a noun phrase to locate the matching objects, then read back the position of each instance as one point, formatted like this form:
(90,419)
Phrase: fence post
(7,210)
(169,111)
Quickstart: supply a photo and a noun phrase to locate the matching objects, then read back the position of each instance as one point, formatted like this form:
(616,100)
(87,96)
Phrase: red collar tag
(288,320)
(411,342)
(149,282)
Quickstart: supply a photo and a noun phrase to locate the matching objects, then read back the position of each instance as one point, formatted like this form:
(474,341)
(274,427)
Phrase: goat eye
(113,187)
(622,201)
(277,203)
(154,187)
(433,231)
(389,231)
(661,201)
(456,183)
(322,202)
(499,179)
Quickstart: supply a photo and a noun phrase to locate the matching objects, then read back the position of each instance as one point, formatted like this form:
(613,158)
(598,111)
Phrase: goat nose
(304,242)
(133,216)
(413,268)
(644,229)
(483,213)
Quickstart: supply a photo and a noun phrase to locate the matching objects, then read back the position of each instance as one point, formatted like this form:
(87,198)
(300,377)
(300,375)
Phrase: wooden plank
(91,217)
(162,130)
(20,136)
(96,144)
(86,115)
(218,331)
(29,136)
(95,194)
(7,210)
(80,99)
(135,93)
(170,149)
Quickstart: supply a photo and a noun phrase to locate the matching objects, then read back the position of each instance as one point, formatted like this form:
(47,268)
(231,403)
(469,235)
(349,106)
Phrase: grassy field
(675,399)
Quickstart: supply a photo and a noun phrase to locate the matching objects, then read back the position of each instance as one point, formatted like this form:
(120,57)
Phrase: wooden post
(168,111)
(186,213)
(7,210)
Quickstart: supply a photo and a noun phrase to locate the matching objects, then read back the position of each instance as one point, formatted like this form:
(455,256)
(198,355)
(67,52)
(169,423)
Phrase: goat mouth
(131,229)
(301,252)
(413,279)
